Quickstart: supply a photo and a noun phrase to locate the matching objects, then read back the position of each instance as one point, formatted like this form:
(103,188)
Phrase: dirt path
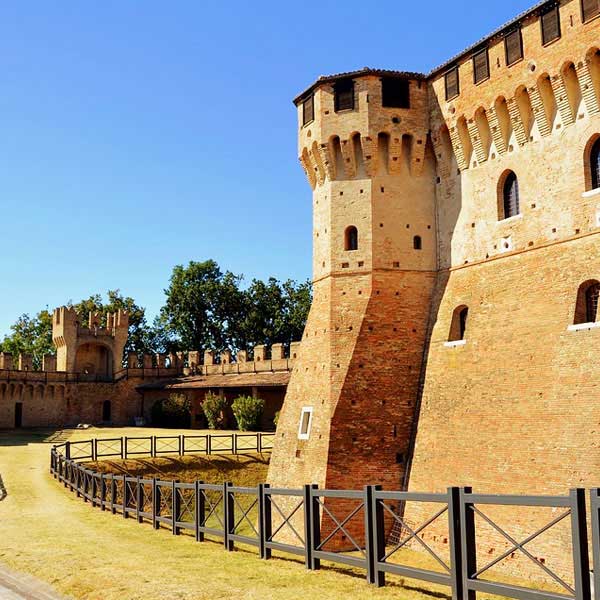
(16,586)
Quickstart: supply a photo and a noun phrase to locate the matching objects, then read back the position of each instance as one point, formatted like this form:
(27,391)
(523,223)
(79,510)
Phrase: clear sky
(139,135)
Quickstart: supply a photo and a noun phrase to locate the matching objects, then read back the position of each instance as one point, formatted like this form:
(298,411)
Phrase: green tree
(30,335)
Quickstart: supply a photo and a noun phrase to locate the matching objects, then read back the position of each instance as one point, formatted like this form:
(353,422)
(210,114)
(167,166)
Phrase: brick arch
(590,146)
(500,192)
(581,314)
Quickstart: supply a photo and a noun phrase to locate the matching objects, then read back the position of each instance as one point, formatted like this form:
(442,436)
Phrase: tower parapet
(95,349)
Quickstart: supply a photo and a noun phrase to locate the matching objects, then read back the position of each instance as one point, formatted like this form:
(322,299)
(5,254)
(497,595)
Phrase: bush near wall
(248,411)
(174,412)
(215,411)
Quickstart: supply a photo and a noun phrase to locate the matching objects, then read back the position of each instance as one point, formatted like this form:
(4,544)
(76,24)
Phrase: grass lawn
(88,554)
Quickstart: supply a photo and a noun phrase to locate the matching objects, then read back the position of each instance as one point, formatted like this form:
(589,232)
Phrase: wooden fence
(313,518)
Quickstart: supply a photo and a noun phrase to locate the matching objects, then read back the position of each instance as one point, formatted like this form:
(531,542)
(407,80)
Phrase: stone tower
(95,350)
(349,409)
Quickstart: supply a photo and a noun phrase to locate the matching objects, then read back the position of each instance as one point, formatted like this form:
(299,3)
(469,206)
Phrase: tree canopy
(204,308)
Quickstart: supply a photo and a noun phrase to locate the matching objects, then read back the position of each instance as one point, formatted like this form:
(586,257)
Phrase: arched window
(351,238)
(417,242)
(586,309)
(458,327)
(595,164)
(510,196)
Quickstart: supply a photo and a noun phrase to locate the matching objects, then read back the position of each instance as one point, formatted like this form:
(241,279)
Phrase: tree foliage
(30,335)
(247,412)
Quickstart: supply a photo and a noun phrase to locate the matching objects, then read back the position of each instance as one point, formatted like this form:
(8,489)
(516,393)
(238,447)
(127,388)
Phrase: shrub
(174,411)
(214,408)
(276,418)
(247,411)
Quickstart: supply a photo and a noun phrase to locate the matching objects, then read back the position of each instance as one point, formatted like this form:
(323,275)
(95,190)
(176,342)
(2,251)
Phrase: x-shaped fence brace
(167,445)
(414,535)
(146,497)
(213,508)
(521,547)
(340,526)
(166,501)
(187,506)
(286,520)
(141,446)
(244,517)
(109,447)
(217,443)
(131,494)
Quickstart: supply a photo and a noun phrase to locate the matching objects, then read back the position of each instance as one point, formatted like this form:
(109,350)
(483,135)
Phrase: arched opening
(586,307)
(172,412)
(351,238)
(503,117)
(458,326)
(358,156)
(383,153)
(525,110)
(485,133)
(465,139)
(417,242)
(592,163)
(94,361)
(548,98)
(593,58)
(509,204)
(338,157)
(571,81)
(106,411)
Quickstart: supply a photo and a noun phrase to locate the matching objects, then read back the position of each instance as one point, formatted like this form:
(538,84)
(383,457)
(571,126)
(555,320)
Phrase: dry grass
(88,554)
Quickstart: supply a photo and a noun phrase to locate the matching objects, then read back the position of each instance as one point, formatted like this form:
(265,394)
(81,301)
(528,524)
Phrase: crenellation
(6,361)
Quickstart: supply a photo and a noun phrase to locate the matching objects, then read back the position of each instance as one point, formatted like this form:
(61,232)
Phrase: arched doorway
(106,411)
(94,361)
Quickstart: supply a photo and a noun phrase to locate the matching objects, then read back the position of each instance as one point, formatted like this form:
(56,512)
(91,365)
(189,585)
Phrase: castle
(453,334)
(87,382)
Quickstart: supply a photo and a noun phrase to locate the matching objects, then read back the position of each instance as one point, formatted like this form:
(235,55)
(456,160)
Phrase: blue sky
(140,135)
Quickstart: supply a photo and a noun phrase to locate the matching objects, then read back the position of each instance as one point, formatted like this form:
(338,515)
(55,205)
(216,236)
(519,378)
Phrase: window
(305,423)
(550,21)
(586,309)
(458,327)
(590,9)
(510,196)
(595,165)
(344,95)
(308,110)
(351,238)
(417,242)
(395,93)
(481,66)
(513,45)
(452,83)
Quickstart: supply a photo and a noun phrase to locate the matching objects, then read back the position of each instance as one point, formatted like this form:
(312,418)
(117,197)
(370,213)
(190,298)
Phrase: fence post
(124,447)
(374,535)
(313,539)
(200,511)
(95,449)
(138,499)
(264,522)
(113,494)
(468,543)
(454,535)
(228,516)
(259,442)
(183,445)
(153,446)
(155,503)
(175,506)
(180,449)
(77,481)
(208,444)
(234,445)
(102,492)
(581,561)
(125,497)
(68,450)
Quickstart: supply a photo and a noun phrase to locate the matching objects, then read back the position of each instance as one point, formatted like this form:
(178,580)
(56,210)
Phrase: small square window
(481,66)
(395,93)
(308,110)
(550,21)
(590,9)
(513,45)
(452,83)
(344,95)
(305,423)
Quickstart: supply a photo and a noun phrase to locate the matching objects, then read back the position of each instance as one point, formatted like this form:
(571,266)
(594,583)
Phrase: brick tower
(350,404)
(95,350)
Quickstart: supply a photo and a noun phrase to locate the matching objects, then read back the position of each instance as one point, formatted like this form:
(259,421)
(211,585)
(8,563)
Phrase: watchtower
(94,350)
(349,408)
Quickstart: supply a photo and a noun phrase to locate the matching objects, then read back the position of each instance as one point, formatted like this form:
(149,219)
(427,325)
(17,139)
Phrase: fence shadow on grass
(3,490)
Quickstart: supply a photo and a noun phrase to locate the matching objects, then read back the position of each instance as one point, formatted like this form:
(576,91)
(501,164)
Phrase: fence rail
(315,520)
